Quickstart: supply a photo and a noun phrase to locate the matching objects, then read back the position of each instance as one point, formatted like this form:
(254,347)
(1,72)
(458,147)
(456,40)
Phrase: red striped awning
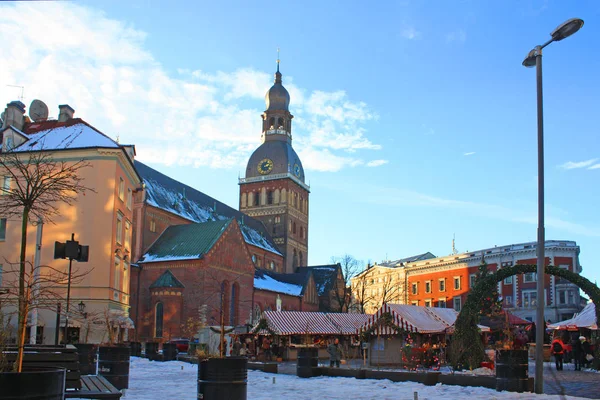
(348,323)
(300,322)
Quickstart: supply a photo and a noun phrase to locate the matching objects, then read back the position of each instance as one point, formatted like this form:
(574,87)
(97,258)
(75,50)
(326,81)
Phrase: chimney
(13,115)
(65,113)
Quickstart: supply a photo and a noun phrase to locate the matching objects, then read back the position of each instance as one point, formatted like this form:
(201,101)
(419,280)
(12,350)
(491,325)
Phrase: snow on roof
(76,136)
(265,282)
(254,238)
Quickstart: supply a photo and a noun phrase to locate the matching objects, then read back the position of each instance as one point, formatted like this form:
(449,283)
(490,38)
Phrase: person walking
(235,348)
(585,350)
(266,346)
(335,353)
(577,353)
(558,349)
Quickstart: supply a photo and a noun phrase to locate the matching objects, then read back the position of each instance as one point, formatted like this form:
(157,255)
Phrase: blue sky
(415,120)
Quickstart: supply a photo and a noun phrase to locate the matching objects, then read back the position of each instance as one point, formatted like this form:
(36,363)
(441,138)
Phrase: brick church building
(197,259)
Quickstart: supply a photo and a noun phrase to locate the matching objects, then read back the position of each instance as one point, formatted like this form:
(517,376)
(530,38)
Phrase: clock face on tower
(297,170)
(265,166)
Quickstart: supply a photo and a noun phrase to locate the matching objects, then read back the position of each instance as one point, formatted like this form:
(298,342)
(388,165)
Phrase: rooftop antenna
(22,91)
(454,251)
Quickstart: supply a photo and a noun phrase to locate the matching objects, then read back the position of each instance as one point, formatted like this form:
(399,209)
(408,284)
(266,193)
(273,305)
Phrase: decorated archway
(467,349)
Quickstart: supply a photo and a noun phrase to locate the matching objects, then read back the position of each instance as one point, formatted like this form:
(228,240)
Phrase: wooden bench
(63,356)
(94,387)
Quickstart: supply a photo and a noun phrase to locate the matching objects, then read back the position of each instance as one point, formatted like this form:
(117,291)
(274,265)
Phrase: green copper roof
(167,280)
(185,242)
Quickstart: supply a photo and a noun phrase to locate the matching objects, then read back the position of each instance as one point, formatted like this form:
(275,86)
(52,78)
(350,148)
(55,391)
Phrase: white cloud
(579,164)
(410,33)
(377,163)
(456,36)
(595,166)
(102,68)
(470,153)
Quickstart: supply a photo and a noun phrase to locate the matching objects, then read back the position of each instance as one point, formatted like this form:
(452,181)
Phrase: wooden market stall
(292,330)
(409,336)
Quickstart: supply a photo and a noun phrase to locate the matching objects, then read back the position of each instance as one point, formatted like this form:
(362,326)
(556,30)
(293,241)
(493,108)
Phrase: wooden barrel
(512,370)
(88,357)
(136,349)
(33,384)
(113,364)
(307,363)
(223,378)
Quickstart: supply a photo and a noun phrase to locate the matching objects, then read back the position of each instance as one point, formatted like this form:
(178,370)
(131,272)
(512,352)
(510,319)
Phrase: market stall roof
(415,319)
(299,322)
(348,323)
(585,319)
(312,323)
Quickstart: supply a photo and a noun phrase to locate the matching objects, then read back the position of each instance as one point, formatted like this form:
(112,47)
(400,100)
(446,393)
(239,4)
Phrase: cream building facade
(100,219)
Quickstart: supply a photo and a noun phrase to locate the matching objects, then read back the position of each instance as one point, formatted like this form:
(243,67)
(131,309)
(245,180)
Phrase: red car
(182,345)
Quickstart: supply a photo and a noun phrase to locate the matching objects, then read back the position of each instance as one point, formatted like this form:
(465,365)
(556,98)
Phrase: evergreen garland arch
(466,349)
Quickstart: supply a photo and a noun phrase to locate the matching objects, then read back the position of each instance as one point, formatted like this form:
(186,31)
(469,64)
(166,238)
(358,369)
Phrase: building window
(254,258)
(152,225)
(427,303)
(457,283)
(129,199)
(158,320)
(529,277)
(302,232)
(277,220)
(294,227)
(119,228)
(508,281)
(457,303)
(415,302)
(272,265)
(427,286)
(442,285)
(6,185)
(270,197)
(508,301)
(2,228)
(571,297)
(121,189)
(472,279)
(415,288)
(442,303)
(256,198)
(117,273)
(125,277)
(529,298)
(127,234)
(233,304)
(301,258)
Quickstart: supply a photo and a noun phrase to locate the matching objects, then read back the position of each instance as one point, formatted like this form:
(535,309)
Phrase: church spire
(278,74)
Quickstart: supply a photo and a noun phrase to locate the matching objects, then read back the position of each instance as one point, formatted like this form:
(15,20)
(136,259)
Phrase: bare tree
(390,290)
(341,289)
(40,186)
(361,292)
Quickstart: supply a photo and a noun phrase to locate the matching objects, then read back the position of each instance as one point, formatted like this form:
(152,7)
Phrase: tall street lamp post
(534,58)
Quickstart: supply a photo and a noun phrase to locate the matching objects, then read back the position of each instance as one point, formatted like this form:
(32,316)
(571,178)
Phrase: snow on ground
(149,380)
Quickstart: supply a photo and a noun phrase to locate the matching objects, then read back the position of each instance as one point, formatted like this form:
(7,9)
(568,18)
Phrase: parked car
(182,344)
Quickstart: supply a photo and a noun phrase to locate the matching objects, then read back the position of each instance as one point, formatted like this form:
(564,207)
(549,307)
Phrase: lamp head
(531,58)
(81,306)
(566,29)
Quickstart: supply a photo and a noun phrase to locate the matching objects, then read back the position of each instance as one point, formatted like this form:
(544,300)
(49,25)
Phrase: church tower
(273,189)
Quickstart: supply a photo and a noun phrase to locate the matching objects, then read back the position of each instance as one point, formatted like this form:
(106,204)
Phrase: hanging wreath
(263,325)
(386,320)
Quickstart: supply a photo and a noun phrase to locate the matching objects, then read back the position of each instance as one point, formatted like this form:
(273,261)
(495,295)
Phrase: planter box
(343,372)
(270,367)
(426,378)
(468,380)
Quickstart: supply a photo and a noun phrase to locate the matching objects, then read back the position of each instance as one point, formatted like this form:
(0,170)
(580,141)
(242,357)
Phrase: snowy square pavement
(176,380)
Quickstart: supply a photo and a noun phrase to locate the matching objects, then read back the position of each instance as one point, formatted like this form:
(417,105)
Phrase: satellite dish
(38,111)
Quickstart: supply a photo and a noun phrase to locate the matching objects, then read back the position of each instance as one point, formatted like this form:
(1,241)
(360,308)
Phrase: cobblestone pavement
(568,381)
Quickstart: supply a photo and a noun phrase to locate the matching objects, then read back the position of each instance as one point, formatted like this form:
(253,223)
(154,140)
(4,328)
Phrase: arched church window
(257,312)
(280,123)
(274,229)
(302,232)
(270,197)
(158,320)
(301,259)
(271,123)
(295,259)
(256,198)
(294,228)
(224,302)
